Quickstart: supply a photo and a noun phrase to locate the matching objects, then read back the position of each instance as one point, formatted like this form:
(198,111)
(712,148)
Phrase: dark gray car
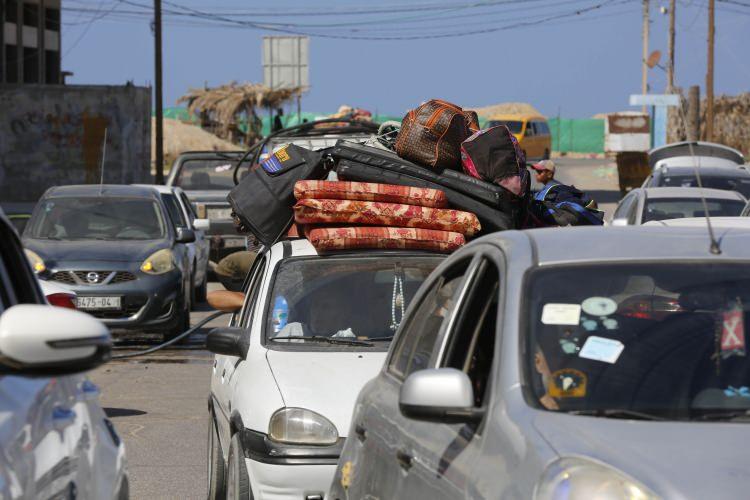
(117,249)
(581,363)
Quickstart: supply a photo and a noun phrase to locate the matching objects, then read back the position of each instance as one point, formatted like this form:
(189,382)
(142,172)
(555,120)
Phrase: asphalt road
(158,402)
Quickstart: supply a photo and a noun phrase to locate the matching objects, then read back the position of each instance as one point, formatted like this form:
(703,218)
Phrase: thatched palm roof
(226,103)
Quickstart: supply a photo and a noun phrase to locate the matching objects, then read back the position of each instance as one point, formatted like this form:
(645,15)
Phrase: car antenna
(715,248)
(104,155)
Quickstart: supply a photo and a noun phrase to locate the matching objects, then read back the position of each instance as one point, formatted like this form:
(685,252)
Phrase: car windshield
(513,125)
(100,218)
(207,175)
(661,339)
(343,298)
(739,184)
(679,208)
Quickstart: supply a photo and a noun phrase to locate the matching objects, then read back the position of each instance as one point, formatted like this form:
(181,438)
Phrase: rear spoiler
(696,148)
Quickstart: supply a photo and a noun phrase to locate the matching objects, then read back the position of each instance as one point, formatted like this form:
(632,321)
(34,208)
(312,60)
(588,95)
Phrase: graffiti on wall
(56,136)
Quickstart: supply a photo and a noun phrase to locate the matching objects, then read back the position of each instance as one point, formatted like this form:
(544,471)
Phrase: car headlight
(36,262)
(159,262)
(579,479)
(301,426)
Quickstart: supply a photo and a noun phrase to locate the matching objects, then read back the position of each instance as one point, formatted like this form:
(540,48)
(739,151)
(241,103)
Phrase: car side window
(530,130)
(542,128)
(470,345)
(189,207)
(632,214)
(252,292)
(175,212)
(416,342)
(623,209)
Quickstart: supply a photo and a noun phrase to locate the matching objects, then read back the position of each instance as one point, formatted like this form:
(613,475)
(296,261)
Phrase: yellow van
(532,132)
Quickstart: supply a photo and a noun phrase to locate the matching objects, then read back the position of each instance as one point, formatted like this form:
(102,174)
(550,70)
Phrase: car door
(225,366)
(36,413)
(379,467)
(443,455)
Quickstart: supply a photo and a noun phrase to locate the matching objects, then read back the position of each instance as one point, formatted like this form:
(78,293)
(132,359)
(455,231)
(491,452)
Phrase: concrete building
(30,41)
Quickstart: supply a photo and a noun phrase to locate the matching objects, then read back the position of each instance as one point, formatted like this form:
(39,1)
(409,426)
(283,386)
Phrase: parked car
(116,247)
(182,215)
(206,178)
(55,439)
(532,132)
(520,371)
(18,213)
(728,178)
(648,204)
(312,331)
(694,154)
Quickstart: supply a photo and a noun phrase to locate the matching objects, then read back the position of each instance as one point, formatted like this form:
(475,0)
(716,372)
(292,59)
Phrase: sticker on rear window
(222,168)
(599,306)
(561,314)
(602,349)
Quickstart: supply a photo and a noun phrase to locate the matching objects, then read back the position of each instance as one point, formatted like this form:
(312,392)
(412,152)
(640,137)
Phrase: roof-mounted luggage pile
(445,182)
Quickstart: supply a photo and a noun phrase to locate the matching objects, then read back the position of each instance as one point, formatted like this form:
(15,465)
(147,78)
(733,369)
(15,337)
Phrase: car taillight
(62,300)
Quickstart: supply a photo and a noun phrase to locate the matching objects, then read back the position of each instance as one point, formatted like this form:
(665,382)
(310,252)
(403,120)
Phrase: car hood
(325,382)
(674,459)
(208,196)
(54,252)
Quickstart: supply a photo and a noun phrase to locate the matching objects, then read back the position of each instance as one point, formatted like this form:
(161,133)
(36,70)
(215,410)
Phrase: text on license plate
(219,213)
(98,302)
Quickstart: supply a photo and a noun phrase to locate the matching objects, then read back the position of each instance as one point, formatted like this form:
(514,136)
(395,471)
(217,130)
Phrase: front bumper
(278,471)
(147,301)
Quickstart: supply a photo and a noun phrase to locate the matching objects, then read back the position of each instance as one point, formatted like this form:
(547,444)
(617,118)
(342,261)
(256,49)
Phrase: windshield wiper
(733,415)
(617,413)
(381,339)
(327,340)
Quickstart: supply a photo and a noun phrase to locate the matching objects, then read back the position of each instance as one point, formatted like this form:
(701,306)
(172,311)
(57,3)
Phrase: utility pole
(693,125)
(158,97)
(710,75)
(670,48)
(644,86)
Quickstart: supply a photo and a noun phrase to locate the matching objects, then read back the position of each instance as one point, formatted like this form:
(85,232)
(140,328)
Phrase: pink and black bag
(494,155)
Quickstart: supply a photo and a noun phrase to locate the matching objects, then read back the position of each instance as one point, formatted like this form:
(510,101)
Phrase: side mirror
(47,340)
(619,222)
(202,224)
(439,395)
(185,235)
(229,341)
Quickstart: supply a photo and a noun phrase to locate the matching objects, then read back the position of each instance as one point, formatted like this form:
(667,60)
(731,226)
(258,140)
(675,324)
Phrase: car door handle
(62,417)
(404,459)
(361,433)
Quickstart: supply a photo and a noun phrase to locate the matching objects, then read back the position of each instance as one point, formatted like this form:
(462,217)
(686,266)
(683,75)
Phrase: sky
(516,50)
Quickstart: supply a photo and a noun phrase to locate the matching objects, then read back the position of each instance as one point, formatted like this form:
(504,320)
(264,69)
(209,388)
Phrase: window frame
(168,198)
(425,291)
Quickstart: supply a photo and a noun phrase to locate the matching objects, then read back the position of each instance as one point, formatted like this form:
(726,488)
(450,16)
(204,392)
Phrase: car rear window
(208,175)
(739,184)
(680,208)
(356,298)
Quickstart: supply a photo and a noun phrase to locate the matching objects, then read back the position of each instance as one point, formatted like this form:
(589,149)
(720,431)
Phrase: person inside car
(321,320)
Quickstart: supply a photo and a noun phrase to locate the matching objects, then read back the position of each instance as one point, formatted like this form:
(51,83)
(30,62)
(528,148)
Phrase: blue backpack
(561,205)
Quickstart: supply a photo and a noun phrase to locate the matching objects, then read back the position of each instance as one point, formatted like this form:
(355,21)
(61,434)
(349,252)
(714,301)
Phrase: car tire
(216,466)
(181,323)
(238,482)
(199,292)
(123,491)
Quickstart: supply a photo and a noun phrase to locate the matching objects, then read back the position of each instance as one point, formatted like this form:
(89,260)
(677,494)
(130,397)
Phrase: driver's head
(325,314)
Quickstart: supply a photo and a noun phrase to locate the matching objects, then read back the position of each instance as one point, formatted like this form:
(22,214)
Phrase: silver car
(661,203)
(554,363)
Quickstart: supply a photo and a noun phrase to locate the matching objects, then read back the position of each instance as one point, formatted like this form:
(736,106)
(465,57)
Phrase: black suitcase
(263,201)
(491,218)
(489,194)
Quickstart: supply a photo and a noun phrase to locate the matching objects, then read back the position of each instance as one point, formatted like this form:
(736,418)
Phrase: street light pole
(158,95)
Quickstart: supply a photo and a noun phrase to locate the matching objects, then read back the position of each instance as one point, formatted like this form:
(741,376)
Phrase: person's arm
(224,300)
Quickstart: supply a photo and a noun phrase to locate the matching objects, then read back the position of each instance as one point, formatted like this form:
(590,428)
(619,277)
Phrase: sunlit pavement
(158,402)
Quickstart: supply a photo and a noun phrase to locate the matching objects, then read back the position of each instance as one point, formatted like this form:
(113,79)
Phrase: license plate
(219,213)
(98,302)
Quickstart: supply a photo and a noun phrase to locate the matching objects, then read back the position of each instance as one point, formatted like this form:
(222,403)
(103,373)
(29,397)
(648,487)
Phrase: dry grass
(507,108)
(180,137)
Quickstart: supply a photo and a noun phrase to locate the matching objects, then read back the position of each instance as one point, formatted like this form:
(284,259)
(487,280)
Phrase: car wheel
(238,483)
(181,323)
(123,491)
(199,292)
(216,465)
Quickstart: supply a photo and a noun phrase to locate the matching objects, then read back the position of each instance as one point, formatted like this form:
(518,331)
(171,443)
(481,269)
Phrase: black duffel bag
(263,201)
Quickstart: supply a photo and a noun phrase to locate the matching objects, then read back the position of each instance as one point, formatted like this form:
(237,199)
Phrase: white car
(660,203)
(55,439)
(182,215)
(313,330)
